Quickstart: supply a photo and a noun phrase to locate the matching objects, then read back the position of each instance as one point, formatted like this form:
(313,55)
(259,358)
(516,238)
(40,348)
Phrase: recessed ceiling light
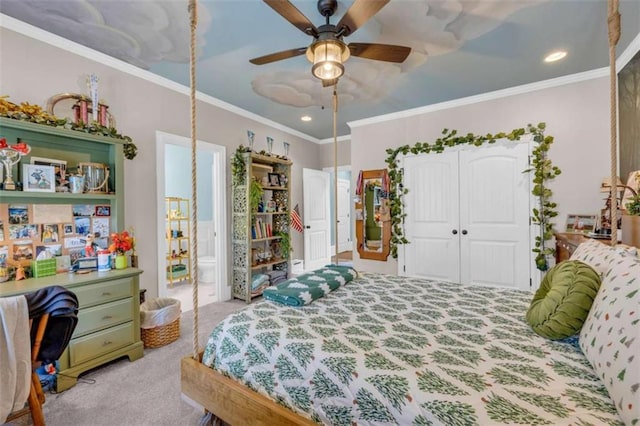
(305,118)
(555,56)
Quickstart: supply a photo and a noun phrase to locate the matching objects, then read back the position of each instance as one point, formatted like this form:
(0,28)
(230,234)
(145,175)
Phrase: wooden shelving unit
(255,247)
(178,240)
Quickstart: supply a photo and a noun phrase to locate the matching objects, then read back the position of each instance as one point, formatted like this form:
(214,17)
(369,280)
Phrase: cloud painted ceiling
(459,48)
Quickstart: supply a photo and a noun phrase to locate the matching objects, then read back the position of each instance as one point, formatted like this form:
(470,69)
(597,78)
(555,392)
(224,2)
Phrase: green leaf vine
(542,168)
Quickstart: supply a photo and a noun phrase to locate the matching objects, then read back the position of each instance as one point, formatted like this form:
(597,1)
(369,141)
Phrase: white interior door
(344,220)
(494,216)
(432,217)
(316,219)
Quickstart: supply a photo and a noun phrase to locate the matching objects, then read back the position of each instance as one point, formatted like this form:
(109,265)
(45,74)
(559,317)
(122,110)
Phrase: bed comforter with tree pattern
(407,351)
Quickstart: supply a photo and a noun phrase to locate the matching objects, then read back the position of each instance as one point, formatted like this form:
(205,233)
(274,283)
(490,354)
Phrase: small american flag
(296,220)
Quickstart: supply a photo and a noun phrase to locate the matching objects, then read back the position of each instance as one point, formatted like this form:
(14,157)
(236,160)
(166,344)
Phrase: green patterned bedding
(310,286)
(407,351)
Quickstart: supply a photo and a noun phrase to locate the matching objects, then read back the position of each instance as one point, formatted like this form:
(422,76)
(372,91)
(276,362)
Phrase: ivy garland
(544,171)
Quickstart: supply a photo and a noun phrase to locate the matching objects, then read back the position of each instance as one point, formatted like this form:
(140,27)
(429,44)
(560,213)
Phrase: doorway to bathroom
(174,180)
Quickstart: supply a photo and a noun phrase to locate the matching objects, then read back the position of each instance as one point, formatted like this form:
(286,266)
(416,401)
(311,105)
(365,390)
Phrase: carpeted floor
(144,392)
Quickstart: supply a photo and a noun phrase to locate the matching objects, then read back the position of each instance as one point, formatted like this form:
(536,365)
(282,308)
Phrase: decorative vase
(134,260)
(630,230)
(121,261)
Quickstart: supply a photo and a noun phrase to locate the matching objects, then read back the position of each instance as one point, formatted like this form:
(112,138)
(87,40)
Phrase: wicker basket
(162,335)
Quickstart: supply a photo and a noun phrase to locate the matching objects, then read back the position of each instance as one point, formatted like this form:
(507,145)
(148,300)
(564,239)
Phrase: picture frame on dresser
(581,223)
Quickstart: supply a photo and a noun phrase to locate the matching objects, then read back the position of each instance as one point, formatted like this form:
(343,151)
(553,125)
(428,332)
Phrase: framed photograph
(38,178)
(49,233)
(59,166)
(274,179)
(18,214)
(68,229)
(103,210)
(83,210)
(581,223)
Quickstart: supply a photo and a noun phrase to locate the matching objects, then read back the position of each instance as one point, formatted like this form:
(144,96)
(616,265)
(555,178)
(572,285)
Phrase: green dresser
(108,320)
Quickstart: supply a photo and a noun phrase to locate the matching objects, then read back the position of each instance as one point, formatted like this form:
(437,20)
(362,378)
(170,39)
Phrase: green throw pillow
(562,303)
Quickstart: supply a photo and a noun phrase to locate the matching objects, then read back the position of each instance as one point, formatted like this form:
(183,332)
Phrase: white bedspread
(15,355)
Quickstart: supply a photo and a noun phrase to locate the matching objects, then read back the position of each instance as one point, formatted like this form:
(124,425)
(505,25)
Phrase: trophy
(269,144)
(9,156)
(250,136)
(286,148)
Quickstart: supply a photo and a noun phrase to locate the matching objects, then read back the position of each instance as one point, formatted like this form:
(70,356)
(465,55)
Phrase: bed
(396,350)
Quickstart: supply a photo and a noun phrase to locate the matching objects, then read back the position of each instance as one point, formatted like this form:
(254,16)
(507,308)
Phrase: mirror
(373,219)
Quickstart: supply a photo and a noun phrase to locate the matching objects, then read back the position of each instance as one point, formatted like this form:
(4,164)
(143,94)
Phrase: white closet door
(317,219)
(432,217)
(494,216)
(344,225)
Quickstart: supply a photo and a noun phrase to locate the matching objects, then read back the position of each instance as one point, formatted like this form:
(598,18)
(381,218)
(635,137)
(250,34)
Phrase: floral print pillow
(610,337)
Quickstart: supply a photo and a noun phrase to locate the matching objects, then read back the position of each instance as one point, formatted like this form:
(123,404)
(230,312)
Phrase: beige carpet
(144,392)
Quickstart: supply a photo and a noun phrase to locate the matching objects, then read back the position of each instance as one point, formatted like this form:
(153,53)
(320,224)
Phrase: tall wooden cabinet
(260,237)
(109,317)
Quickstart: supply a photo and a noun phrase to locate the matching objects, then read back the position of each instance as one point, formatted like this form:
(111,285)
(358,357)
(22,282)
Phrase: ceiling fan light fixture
(327,57)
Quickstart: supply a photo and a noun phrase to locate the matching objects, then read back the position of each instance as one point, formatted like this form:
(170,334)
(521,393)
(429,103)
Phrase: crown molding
(70,46)
(622,60)
(343,138)
(629,53)
(484,97)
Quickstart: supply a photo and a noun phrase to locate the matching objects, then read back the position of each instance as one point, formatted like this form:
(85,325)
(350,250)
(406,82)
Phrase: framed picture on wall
(581,223)
(274,179)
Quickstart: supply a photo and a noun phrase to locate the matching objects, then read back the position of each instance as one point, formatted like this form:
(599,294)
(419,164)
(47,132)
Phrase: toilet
(207,269)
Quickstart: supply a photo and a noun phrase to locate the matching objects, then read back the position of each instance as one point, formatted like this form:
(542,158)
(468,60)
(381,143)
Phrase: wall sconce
(327,57)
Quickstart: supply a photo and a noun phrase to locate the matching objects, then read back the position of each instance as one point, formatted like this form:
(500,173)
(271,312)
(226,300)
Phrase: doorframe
(535,275)
(346,168)
(219,199)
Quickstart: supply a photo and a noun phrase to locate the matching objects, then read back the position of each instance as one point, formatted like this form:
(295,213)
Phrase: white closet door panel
(317,220)
(432,215)
(494,216)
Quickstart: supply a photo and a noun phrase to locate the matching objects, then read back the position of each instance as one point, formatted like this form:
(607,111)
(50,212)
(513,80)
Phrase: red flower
(121,243)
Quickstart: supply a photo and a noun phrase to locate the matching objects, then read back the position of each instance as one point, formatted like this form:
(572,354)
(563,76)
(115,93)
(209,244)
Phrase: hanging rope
(193,12)
(335,165)
(613,21)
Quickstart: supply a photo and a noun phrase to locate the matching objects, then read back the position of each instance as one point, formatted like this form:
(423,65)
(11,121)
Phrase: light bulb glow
(305,118)
(327,57)
(555,56)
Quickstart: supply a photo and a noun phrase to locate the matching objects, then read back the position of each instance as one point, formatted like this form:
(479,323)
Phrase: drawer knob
(107,343)
(106,293)
(107,317)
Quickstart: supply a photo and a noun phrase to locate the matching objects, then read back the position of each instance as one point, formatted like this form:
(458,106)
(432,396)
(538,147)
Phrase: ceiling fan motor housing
(327,7)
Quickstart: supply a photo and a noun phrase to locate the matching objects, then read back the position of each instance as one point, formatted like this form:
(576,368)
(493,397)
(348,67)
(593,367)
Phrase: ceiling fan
(328,51)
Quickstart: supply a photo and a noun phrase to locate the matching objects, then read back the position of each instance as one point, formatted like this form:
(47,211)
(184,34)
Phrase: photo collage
(31,232)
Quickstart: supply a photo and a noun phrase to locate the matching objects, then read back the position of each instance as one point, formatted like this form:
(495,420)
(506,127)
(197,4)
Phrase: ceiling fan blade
(359,13)
(331,82)
(380,52)
(289,12)
(278,56)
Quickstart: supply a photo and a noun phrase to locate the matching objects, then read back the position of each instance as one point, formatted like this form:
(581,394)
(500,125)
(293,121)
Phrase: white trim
(119,65)
(484,97)
(629,53)
(223,291)
(343,138)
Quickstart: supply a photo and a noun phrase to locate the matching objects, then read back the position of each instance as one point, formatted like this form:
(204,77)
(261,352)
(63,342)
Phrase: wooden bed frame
(230,401)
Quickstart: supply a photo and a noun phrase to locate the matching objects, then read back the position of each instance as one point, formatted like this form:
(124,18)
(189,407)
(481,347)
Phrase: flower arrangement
(121,243)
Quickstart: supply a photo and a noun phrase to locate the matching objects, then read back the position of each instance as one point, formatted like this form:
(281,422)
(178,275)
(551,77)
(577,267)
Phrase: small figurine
(90,246)
(20,274)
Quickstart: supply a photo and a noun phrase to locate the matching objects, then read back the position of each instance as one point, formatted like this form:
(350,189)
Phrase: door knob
(464,232)
(454,231)
(308,227)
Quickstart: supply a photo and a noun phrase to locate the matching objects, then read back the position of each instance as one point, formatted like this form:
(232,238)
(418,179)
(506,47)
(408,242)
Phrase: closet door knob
(454,231)
(464,232)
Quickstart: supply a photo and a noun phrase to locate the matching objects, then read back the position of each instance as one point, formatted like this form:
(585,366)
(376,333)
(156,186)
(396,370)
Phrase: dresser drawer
(94,345)
(103,316)
(104,292)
